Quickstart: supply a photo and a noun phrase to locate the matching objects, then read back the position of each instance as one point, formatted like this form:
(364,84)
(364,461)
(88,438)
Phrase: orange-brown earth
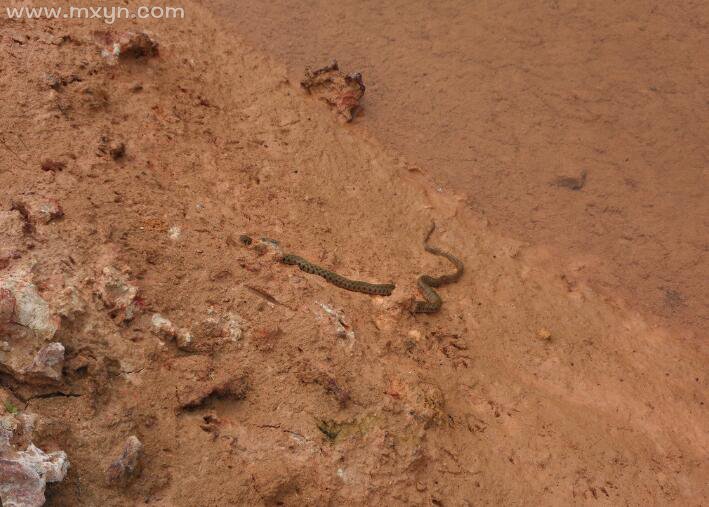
(529,387)
(501,100)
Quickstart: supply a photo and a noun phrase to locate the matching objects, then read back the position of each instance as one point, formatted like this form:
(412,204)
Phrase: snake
(377,289)
(426,283)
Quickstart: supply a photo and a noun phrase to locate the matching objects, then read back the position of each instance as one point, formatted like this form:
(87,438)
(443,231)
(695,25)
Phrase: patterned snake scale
(426,283)
(378,289)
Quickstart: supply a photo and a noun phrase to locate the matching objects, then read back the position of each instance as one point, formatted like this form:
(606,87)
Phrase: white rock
(174,233)
(25,474)
(31,310)
(47,364)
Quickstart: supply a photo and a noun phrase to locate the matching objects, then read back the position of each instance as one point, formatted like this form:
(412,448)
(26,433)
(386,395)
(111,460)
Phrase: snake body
(426,283)
(378,289)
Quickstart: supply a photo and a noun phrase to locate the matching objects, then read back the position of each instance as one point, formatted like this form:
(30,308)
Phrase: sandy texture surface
(499,100)
(198,371)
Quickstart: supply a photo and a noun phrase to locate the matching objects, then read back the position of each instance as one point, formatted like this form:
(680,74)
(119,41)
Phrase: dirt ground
(126,184)
(498,100)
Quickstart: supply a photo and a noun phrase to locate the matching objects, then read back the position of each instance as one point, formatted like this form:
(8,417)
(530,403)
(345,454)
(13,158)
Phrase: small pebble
(544,334)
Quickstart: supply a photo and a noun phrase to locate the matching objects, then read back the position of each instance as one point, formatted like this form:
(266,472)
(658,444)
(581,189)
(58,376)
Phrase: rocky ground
(149,357)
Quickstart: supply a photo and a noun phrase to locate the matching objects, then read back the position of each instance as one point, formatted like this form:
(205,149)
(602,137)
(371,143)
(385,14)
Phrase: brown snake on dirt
(378,289)
(426,283)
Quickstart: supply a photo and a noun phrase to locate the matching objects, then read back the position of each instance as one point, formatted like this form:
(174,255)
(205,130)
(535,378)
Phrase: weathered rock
(163,327)
(47,211)
(128,465)
(25,474)
(69,303)
(336,318)
(222,328)
(45,367)
(27,323)
(118,294)
(341,91)
(211,331)
(30,309)
(233,328)
(38,210)
(174,232)
(126,45)
(166,329)
(16,429)
(544,334)
(137,45)
(184,340)
(47,364)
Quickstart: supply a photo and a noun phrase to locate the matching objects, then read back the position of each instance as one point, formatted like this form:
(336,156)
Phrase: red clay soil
(499,100)
(270,386)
